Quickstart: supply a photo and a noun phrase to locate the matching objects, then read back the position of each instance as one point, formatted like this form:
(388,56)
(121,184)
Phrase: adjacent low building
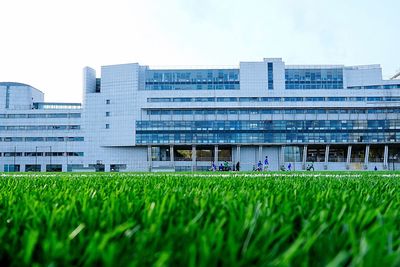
(136,118)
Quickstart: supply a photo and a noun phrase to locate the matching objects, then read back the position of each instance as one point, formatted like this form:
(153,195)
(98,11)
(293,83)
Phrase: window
(336,99)
(117,167)
(53,168)
(315,99)
(293,99)
(374,98)
(32,168)
(11,168)
(270,76)
(108,101)
(34,139)
(72,167)
(74,115)
(270,99)
(108,114)
(248,99)
(107,126)
(74,139)
(356,98)
(226,99)
(181,99)
(158,99)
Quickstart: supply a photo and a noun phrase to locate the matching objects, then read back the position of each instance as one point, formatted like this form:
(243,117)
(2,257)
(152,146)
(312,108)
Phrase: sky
(47,43)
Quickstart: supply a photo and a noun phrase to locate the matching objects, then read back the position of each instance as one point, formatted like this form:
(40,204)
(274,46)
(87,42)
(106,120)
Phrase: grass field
(274,219)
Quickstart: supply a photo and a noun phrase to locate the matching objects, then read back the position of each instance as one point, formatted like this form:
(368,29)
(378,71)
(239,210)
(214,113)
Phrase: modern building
(136,118)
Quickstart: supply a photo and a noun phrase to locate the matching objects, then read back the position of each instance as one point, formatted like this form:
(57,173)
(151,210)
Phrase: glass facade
(254,111)
(41,154)
(260,131)
(293,154)
(267,99)
(160,153)
(330,78)
(40,105)
(36,116)
(39,127)
(384,86)
(208,79)
(338,153)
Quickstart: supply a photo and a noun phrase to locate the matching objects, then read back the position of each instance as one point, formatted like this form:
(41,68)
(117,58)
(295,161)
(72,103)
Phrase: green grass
(279,219)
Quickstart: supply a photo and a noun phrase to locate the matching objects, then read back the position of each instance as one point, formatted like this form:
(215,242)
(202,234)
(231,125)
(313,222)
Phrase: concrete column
(282,157)
(149,157)
(385,157)
(326,157)
(216,155)
(193,158)
(366,158)
(171,155)
(238,152)
(260,155)
(304,160)
(22,168)
(107,167)
(64,167)
(348,157)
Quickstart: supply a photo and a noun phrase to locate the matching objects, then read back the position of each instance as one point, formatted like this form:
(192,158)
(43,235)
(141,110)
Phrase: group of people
(260,166)
(224,166)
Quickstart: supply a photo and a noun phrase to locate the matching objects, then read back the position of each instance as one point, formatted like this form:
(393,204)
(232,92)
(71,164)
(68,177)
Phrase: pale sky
(46,43)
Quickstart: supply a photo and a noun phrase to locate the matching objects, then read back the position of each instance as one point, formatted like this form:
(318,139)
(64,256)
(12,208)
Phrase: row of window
(269,125)
(41,154)
(311,85)
(222,86)
(266,138)
(289,131)
(58,167)
(42,139)
(270,99)
(197,82)
(204,75)
(385,86)
(41,105)
(268,111)
(53,115)
(236,86)
(314,78)
(39,127)
(292,153)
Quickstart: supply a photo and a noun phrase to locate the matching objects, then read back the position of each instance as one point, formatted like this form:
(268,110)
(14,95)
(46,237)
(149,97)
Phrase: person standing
(266,163)
(259,166)
(226,166)
(238,166)
(289,166)
(213,167)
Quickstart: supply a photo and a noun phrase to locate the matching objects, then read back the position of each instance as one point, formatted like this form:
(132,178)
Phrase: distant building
(135,118)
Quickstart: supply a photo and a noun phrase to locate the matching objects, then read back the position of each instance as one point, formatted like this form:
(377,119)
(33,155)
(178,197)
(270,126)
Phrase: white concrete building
(135,118)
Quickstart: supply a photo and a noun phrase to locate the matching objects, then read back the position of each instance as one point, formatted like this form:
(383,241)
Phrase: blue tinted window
(213,79)
(266,131)
(314,78)
(270,76)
